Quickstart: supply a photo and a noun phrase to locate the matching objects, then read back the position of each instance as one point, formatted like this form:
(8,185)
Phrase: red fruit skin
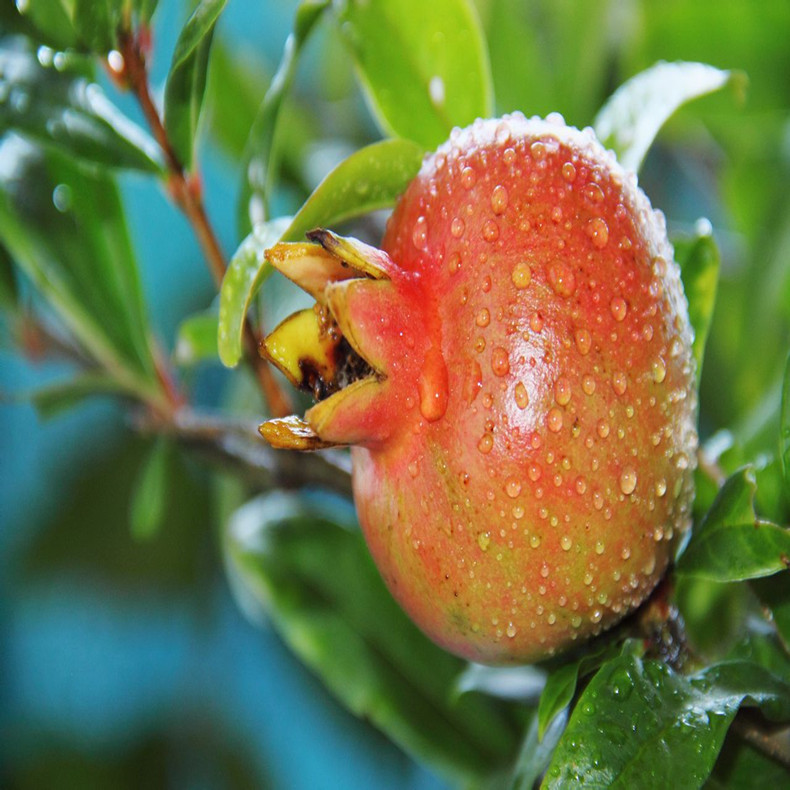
(544,334)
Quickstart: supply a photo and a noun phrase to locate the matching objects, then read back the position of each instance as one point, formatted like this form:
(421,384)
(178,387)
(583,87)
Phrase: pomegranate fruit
(514,371)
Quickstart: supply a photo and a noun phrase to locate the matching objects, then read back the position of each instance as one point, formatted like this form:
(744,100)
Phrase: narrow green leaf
(784,428)
(145,9)
(50,99)
(317,583)
(536,752)
(424,64)
(196,339)
(186,81)
(65,228)
(632,117)
(731,543)
(639,724)
(148,504)
(700,263)
(54,399)
(9,296)
(371,178)
(97,22)
(45,21)
(246,272)
(261,159)
(774,594)
(522,683)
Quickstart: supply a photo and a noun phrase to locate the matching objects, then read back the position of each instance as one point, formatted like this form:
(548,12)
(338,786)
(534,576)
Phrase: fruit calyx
(345,348)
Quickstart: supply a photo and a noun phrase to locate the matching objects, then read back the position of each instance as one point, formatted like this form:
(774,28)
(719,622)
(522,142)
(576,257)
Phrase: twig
(773,742)
(186,192)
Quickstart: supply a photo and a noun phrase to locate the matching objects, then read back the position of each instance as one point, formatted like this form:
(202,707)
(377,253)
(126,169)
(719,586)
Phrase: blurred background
(127,663)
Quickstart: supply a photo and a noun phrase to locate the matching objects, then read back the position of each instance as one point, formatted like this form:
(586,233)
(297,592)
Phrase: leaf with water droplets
(370,179)
(186,81)
(48,96)
(732,543)
(632,117)
(247,271)
(700,263)
(315,580)
(640,724)
(424,65)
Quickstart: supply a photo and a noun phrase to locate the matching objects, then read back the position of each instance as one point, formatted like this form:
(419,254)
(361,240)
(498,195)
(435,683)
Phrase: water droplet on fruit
(599,547)
(581,485)
(583,341)
(562,391)
(413,469)
(511,630)
(513,487)
(490,230)
(534,541)
(588,384)
(486,443)
(535,322)
(483,317)
(628,481)
(618,307)
(562,279)
(593,193)
(603,428)
(521,275)
(499,199)
(521,396)
(569,172)
(566,543)
(433,386)
(454,263)
(554,420)
(659,370)
(661,487)
(598,231)
(538,150)
(468,177)
(534,472)
(500,363)
(420,234)
(518,512)
(484,540)
(457,227)
(619,382)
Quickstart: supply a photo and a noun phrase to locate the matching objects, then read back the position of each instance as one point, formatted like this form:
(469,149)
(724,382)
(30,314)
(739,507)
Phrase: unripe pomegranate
(514,371)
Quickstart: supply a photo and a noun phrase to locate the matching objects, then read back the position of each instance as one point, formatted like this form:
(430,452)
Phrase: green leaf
(743,767)
(639,724)
(54,399)
(784,428)
(317,583)
(424,65)
(700,264)
(196,339)
(731,543)
(536,752)
(45,21)
(561,684)
(246,272)
(145,9)
(97,22)
(9,292)
(64,226)
(632,117)
(261,159)
(522,683)
(51,100)
(371,178)
(148,505)
(186,81)
(774,594)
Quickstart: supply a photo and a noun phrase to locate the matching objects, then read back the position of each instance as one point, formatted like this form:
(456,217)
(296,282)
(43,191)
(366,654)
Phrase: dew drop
(661,487)
(480,344)
(468,177)
(521,276)
(554,420)
(534,541)
(484,540)
(598,232)
(603,428)
(513,487)
(596,616)
(534,472)
(521,396)
(535,322)
(457,227)
(454,263)
(628,481)
(419,235)
(588,384)
(483,318)
(499,198)
(562,279)
(583,341)
(593,193)
(511,630)
(413,469)
(566,543)
(538,150)
(518,512)
(486,443)
(433,386)
(659,370)
(500,363)
(618,307)
(619,382)
(490,230)
(562,391)
(569,172)
(581,485)
(599,547)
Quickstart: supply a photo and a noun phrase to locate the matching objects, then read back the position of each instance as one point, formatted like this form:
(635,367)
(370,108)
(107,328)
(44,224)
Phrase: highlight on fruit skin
(513,370)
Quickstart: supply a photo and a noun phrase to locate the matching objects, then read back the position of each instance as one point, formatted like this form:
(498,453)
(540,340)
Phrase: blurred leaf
(145,9)
(774,593)
(53,399)
(46,21)
(51,99)
(186,81)
(9,295)
(561,684)
(317,582)
(742,767)
(523,683)
(246,272)
(65,228)
(731,543)
(261,157)
(424,64)
(196,339)
(97,22)
(784,428)
(699,267)
(639,724)
(536,752)
(636,111)
(371,178)
(148,505)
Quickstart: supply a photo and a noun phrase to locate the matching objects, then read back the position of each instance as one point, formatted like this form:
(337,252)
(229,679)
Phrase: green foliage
(614,713)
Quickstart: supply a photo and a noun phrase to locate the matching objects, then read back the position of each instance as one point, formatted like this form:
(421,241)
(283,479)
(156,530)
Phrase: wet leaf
(634,114)
(424,65)
(186,81)
(316,581)
(639,724)
(731,543)
(148,505)
(52,99)
(371,178)
(247,270)
(536,752)
(700,263)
